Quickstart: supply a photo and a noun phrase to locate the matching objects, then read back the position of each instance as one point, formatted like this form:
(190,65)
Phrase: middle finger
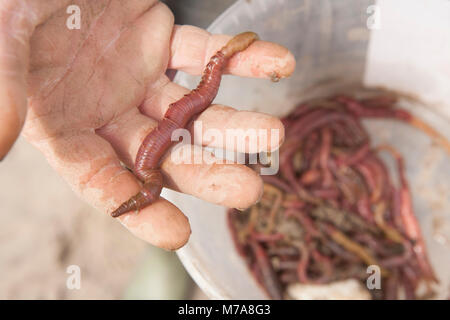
(199,173)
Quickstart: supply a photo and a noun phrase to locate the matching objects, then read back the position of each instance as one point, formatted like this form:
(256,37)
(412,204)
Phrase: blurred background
(45,228)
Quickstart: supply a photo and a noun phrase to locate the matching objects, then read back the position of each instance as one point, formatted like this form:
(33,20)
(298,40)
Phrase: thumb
(15,32)
(18,20)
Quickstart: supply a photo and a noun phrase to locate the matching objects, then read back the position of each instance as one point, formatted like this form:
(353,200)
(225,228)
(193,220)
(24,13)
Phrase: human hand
(95,93)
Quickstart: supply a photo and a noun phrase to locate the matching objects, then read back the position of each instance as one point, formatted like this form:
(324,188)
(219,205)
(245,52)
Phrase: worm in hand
(157,142)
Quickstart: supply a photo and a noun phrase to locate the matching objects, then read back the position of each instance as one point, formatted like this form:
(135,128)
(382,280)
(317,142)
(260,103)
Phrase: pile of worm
(334,209)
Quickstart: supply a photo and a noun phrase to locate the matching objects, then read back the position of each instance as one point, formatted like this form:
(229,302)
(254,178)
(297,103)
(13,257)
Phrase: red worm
(326,193)
(410,223)
(305,221)
(283,251)
(310,177)
(403,259)
(342,253)
(356,157)
(324,155)
(368,174)
(391,286)
(360,110)
(262,237)
(396,208)
(325,265)
(287,265)
(384,183)
(409,286)
(364,209)
(277,182)
(177,116)
(316,120)
(308,118)
(384,101)
(309,147)
(294,204)
(268,275)
(343,135)
(303,264)
(287,170)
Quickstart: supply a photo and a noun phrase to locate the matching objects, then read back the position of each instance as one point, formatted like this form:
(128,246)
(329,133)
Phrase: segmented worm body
(157,142)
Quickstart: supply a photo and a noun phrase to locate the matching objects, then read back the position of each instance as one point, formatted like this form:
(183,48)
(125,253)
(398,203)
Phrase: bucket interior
(332,45)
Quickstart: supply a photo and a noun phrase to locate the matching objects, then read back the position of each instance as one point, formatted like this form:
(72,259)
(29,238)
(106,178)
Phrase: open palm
(96,92)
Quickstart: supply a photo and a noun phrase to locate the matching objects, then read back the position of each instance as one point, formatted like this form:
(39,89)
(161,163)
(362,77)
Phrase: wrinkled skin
(86,99)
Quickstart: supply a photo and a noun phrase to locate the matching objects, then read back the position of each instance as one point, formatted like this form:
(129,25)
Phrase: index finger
(192,47)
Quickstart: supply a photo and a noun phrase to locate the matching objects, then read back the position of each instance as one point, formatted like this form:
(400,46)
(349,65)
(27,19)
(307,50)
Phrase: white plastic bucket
(402,45)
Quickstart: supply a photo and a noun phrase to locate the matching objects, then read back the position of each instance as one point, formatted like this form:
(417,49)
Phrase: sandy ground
(44,228)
